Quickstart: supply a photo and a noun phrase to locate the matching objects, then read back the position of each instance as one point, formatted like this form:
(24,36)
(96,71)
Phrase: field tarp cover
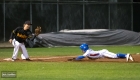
(91,37)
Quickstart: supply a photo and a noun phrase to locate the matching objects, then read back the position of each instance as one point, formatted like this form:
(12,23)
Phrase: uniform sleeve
(79,57)
(86,53)
(14,32)
(82,56)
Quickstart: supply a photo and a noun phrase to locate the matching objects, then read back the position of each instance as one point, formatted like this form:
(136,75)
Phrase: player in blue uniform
(100,54)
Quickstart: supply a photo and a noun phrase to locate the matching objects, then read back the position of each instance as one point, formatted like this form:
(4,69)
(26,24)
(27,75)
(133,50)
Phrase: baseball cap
(28,22)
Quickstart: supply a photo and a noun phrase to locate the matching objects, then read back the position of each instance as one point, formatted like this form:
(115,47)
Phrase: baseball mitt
(37,30)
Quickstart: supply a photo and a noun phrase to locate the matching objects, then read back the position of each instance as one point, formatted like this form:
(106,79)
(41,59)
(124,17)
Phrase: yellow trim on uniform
(21,36)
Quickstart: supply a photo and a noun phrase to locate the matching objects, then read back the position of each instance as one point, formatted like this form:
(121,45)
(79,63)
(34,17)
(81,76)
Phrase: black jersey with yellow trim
(20,34)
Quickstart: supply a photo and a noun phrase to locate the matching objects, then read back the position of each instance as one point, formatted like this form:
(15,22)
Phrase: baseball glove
(37,30)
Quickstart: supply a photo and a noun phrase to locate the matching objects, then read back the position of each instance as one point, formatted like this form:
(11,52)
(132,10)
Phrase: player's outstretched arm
(79,57)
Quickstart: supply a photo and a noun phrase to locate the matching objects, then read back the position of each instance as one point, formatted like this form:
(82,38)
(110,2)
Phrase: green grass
(71,70)
(68,51)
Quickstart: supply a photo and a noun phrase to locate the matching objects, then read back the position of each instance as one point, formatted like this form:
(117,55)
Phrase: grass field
(71,70)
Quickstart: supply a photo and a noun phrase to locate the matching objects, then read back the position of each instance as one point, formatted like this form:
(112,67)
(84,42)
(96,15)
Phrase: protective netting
(55,15)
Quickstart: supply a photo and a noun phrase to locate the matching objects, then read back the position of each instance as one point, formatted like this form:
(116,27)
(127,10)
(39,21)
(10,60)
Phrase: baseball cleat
(13,59)
(28,59)
(127,57)
(131,58)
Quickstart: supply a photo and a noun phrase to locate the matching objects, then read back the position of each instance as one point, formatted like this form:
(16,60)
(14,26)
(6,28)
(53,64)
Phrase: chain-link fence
(56,15)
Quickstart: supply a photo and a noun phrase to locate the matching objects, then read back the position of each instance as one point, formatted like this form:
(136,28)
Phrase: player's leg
(16,45)
(22,56)
(121,55)
(24,51)
(113,55)
(127,56)
(108,54)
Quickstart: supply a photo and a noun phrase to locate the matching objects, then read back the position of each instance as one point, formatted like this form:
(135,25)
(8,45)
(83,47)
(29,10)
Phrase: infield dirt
(65,59)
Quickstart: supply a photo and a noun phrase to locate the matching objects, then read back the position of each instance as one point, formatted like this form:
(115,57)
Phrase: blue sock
(121,55)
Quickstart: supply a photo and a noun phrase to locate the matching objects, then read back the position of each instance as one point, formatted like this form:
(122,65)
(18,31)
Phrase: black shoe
(28,59)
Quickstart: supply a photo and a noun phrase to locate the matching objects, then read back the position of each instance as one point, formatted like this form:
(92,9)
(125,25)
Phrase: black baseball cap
(28,22)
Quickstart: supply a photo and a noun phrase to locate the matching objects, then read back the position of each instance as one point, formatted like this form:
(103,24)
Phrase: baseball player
(91,54)
(18,37)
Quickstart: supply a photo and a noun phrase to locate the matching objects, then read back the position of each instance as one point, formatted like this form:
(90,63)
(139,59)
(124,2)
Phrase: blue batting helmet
(84,47)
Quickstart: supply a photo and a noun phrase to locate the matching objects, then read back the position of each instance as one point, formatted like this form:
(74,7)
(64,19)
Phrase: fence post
(132,15)
(57,22)
(31,13)
(4,18)
(83,14)
(109,15)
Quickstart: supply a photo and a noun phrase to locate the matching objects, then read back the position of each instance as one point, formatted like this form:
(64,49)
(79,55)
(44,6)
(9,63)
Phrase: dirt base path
(65,59)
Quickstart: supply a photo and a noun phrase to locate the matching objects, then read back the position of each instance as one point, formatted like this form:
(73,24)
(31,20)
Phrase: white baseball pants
(18,46)
(108,54)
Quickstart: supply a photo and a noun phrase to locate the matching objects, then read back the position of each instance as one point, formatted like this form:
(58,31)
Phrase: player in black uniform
(18,37)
